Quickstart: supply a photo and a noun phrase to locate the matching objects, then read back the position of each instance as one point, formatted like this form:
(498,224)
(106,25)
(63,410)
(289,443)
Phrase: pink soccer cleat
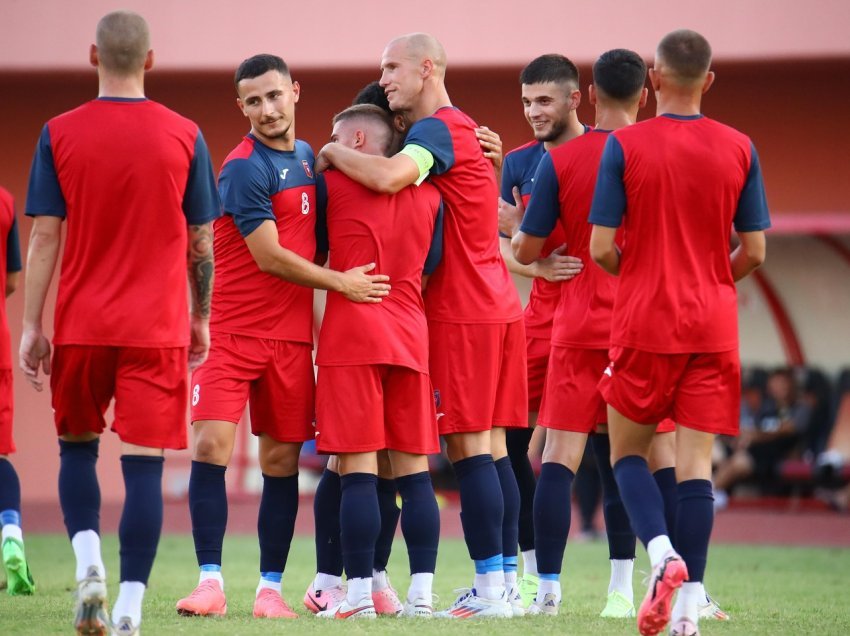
(320,600)
(205,600)
(270,604)
(667,577)
(387,602)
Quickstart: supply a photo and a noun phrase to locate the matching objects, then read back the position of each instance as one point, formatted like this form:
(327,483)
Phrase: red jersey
(563,190)
(395,232)
(128,176)
(472,284)
(258,183)
(678,184)
(10,261)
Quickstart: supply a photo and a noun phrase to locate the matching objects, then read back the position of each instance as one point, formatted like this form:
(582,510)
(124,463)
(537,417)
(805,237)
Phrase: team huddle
(629,340)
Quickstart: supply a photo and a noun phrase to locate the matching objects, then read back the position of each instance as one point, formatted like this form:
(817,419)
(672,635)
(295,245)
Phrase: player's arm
(381,174)
(608,207)
(272,258)
(491,145)
(751,219)
(201,270)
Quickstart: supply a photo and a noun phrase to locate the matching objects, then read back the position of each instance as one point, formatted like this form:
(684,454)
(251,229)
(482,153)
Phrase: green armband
(423,158)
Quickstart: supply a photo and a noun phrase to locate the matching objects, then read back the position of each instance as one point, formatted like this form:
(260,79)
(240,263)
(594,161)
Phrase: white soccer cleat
(418,608)
(364,608)
(515,600)
(91,618)
(546,606)
(469,605)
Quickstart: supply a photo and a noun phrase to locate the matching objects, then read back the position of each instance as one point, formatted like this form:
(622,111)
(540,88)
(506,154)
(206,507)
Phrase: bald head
(422,46)
(685,55)
(123,41)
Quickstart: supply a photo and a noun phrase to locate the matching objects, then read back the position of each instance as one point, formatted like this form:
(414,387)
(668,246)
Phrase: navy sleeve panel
(13,248)
(508,180)
(244,189)
(435,252)
(609,197)
(321,215)
(200,200)
(433,135)
(752,214)
(44,195)
(544,207)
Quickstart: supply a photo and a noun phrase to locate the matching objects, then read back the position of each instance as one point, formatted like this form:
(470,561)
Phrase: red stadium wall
(792,111)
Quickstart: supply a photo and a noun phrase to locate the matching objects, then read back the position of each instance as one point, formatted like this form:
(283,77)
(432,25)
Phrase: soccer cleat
(618,606)
(528,588)
(386,602)
(125,627)
(547,606)
(270,604)
(363,609)
(666,578)
(320,600)
(469,605)
(515,600)
(91,618)
(710,609)
(684,627)
(205,600)
(18,576)
(419,608)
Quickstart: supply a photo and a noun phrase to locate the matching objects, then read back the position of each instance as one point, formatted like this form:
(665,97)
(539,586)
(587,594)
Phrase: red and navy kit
(394,232)
(675,292)
(472,285)
(10,252)
(258,183)
(123,280)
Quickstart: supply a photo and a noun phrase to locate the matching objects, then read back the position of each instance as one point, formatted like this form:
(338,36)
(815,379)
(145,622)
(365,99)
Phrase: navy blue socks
(621,538)
(552,516)
(141,520)
(694,522)
(420,521)
(482,506)
(510,521)
(518,440)
(79,492)
(360,522)
(666,480)
(10,493)
(389,522)
(326,514)
(641,497)
(276,521)
(208,509)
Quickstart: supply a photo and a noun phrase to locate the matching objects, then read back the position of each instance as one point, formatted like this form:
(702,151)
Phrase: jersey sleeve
(200,200)
(321,215)
(433,135)
(244,190)
(609,197)
(13,248)
(508,180)
(435,252)
(752,214)
(544,207)
(44,194)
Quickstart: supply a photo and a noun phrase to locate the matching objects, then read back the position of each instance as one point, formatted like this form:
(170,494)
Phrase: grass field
(767,590)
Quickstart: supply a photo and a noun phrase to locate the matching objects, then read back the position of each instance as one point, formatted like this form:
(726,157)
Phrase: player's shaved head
(379,121)
(685,54)
(421,47)
(123,41)
(619,74)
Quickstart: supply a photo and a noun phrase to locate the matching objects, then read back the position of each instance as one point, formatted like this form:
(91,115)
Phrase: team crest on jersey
(307,168)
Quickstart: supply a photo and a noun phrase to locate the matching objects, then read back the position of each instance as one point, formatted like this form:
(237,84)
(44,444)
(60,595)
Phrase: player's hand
(34,352)
(323,162)
(558,266)
(510,214)
(491,144)
(199,346)
(360,287)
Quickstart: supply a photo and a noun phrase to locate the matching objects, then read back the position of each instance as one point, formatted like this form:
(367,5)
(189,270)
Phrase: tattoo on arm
(201,269)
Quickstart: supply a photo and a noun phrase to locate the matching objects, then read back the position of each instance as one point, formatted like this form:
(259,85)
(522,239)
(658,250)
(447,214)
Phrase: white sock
(379,580)
(358,589)
(13,531)
(704,594)
(324,581)
(86,544)
(548,586)
(490,585)
(529,563)
(211,574)
(420,587)
(658,548)
(129,602)
(510,579)
(687,602)
(622,571)
(268,583)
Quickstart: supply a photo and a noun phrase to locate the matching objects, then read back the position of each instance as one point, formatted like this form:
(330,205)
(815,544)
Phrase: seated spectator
(770,431)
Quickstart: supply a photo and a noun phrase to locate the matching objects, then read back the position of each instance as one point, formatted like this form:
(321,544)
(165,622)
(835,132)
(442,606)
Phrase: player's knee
(279,459)
(211,449)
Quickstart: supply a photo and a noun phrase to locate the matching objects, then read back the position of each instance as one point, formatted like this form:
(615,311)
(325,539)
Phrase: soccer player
(684,180)
(373,389)
(18,576)
(261,334)
(550,97)
(572,407)
(134,182)
(474,316)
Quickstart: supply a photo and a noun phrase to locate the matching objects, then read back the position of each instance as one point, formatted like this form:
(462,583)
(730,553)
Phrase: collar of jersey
(122,99)
(683,117)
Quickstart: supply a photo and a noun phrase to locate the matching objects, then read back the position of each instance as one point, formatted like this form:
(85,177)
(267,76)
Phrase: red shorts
(571,401)
(537,350)
(149,386)
(479,376)
(363,408)
(7,444)
(701,391)
(274,376)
